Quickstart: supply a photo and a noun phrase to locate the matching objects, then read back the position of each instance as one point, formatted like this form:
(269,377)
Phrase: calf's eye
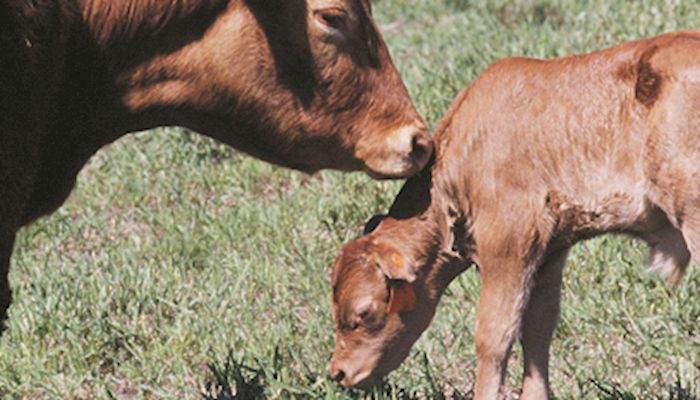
(365,316)
(360,318)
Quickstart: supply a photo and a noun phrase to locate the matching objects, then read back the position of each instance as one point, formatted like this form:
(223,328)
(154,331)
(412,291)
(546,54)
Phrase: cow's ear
(402,297)
(395,266)
(368,5)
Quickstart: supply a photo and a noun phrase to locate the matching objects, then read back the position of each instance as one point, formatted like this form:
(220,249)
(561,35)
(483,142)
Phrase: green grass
(182,269)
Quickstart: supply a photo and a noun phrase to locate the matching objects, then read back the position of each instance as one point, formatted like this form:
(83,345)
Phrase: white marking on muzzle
(402,157)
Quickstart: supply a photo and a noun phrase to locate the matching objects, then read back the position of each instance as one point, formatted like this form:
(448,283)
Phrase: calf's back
(588,140)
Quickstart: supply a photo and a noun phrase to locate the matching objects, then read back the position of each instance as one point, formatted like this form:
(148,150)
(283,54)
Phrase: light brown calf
(531,158)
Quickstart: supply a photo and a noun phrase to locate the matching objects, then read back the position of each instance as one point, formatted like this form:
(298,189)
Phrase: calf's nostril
(338,375)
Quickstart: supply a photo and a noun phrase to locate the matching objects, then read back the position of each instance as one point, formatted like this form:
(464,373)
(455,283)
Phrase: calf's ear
(394,266)
(373,223)
(402,297)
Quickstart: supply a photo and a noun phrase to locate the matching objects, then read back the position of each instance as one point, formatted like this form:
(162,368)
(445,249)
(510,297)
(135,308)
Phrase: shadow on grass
(389,391)
(243,378)
(238,379)
(609,391)
(430,388)
(234,380)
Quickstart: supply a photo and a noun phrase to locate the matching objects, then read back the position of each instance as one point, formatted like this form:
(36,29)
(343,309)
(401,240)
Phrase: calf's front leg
(539,321)
(504,291)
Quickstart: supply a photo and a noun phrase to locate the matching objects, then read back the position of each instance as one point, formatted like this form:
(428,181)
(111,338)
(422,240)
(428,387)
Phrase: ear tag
(397,260)
(402,297)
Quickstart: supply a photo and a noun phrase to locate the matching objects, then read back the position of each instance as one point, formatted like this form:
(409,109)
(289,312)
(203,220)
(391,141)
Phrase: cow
(305,84)
(531,158)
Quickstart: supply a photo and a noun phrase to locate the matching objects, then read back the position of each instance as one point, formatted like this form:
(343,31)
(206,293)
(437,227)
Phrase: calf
(531,158)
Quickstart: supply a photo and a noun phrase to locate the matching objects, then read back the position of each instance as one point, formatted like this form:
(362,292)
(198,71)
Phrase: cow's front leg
(7,239)
(539,321)
(504,293)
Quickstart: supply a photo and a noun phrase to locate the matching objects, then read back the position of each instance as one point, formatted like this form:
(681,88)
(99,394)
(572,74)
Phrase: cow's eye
(333,19)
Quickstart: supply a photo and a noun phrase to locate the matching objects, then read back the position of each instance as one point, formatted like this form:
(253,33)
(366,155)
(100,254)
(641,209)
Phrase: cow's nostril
(422,148)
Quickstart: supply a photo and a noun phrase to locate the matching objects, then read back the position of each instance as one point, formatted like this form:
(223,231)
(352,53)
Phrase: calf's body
(531,158)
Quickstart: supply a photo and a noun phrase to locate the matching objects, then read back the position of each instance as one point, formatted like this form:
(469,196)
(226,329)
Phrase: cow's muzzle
(403,153)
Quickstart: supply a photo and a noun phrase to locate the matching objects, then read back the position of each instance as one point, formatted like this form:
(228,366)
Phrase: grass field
(182,269)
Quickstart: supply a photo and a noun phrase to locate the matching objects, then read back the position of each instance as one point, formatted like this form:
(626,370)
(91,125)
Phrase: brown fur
(531,158)
(306,84)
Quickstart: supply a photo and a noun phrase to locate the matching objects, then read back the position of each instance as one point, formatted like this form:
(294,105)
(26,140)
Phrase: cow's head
(380,306)
(334,91)
(307,84)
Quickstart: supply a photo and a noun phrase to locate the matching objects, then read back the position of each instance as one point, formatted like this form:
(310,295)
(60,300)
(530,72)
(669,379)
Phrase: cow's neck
(125,52)
(128,22)
(106,45)
(79,48)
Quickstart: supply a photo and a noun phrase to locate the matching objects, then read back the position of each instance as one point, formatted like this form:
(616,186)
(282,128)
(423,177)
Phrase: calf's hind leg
(671,249)
(672,162)
(669,253)
(539,321)
(690,227)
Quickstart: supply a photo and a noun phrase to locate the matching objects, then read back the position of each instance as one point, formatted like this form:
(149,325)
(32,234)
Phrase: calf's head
(380,306)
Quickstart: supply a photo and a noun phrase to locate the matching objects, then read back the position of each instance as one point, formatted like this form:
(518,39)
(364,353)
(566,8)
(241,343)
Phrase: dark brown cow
(533,157)
(307,84)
